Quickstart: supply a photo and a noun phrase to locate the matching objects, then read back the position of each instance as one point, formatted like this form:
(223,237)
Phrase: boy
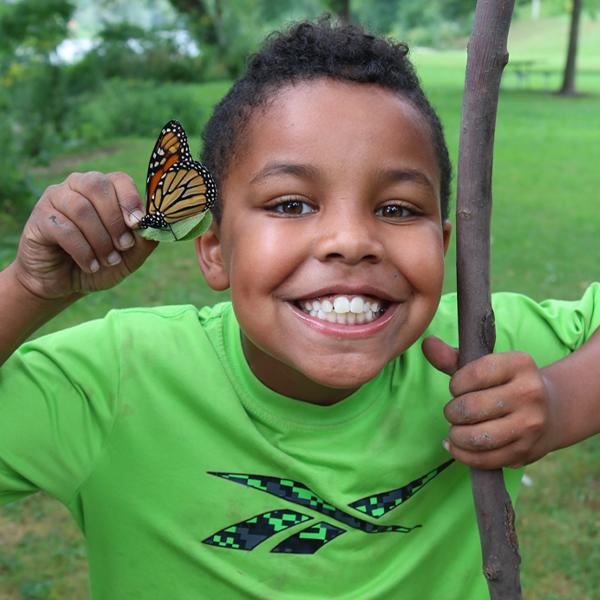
(286,445)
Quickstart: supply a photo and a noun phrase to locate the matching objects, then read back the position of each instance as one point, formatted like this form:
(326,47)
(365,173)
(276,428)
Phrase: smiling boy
(289,444)
(312,209)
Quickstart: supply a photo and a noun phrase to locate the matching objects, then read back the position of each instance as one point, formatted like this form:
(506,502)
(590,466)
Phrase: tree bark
(342,9)
(486,57)
(568,86)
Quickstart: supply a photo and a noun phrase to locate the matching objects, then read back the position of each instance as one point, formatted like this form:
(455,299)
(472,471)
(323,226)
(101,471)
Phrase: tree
(568,86)
(34,26)
(32,98)
(487,56)
(228,30)
(341,8)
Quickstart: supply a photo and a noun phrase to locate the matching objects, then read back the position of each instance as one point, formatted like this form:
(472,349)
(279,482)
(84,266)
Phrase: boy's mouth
(344,309)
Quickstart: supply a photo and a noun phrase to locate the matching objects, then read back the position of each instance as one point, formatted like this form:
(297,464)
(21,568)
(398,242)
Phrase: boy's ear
(210,258)
(446,233)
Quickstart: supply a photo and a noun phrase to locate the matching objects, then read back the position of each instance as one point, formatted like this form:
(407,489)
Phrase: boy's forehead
(324,114)
(338,97)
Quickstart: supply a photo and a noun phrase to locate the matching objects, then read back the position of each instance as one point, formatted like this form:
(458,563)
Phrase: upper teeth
(342,309)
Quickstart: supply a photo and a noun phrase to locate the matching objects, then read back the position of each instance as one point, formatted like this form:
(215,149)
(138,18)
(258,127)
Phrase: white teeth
(342,309)
(326,306)
(341,305)
(356,306)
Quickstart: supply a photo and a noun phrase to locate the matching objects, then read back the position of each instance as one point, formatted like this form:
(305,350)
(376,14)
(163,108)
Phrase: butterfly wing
(177,186)
(185,190)
(171,147)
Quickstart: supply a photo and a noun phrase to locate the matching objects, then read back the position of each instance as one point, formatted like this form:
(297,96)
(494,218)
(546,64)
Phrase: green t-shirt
(190,479)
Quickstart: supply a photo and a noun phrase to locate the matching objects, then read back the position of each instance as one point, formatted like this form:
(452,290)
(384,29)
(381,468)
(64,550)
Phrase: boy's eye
(395,211)
(292,207)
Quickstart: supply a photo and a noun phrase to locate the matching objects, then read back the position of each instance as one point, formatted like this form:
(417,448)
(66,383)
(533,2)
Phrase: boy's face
(335,194)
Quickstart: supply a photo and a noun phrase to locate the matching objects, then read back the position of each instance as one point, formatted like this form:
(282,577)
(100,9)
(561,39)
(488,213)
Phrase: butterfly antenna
(176,239)
(129,211)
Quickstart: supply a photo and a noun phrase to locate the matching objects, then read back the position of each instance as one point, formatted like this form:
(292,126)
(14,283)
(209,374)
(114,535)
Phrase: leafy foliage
(131,52)
(34,26)
(29,31)
(134,107)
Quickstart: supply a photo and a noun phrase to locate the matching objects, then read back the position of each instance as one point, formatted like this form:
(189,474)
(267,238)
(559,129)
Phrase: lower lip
(347,331)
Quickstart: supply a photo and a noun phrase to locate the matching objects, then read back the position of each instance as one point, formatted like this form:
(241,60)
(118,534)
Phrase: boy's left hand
(501,414)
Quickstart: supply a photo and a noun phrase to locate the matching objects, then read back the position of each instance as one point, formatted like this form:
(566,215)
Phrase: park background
(88,85)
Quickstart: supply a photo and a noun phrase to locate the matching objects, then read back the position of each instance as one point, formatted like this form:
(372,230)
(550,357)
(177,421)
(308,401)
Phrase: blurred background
(88,85)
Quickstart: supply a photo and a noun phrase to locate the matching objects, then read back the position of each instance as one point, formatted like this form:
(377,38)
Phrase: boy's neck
(289,382)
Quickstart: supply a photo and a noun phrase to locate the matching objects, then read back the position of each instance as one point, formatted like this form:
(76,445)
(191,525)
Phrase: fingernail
(113,258)
(446,445)
(94,266)
(135,217)
(126,241)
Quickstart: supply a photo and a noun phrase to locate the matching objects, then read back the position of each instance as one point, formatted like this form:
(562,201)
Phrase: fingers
(84,216)
(128,197)
(495,449)
(489,371)
(506,421)
(442,356)
(99,199)
(481,445)
(508,456)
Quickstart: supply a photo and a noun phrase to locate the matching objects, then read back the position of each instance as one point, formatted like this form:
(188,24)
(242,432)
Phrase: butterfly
(177,186)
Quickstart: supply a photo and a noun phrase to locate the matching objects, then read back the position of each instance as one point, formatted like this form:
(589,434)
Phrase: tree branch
(486,57)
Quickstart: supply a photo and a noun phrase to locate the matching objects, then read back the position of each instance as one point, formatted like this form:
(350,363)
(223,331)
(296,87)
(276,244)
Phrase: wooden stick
(486,57)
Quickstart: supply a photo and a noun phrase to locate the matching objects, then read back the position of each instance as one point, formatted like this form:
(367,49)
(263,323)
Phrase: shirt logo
(248,534)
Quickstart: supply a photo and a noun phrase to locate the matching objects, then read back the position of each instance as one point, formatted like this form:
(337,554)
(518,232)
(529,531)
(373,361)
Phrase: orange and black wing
(177,186)
(172,147)
(185,190)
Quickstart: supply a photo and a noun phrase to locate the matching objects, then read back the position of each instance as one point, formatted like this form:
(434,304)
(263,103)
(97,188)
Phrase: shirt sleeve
(548,331)
(58,402)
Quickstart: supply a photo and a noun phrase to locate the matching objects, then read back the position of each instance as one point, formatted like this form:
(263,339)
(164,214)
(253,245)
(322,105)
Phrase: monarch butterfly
(177,186)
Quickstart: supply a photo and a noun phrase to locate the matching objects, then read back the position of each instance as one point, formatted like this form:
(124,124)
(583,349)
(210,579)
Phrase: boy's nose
(349,239)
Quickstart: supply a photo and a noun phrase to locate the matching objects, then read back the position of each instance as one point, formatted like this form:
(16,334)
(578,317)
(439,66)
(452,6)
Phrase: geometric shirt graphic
(309,540)
(246,535)
(379,505)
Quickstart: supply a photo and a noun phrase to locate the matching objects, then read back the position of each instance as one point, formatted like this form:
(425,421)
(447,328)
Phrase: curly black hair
(310,51)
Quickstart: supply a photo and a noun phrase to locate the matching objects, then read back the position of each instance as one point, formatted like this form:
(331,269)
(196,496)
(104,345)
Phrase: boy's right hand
(78,238)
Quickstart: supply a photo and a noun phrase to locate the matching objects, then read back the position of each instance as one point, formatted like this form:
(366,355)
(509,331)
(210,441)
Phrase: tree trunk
(486,57)
(342,9)
(568,86)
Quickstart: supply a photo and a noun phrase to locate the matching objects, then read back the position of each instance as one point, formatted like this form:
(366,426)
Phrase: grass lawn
(545,236)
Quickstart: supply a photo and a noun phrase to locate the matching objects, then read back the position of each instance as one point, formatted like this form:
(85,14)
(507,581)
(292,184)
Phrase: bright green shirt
(190,479)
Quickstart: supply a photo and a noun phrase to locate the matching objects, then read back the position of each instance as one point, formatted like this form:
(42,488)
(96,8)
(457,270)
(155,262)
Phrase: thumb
(442,356)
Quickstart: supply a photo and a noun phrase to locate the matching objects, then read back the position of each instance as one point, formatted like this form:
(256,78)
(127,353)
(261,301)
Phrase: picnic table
(524,71)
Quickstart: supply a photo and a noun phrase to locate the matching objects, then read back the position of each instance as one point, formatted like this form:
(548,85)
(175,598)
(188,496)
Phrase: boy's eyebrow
(274,169)
(416,175)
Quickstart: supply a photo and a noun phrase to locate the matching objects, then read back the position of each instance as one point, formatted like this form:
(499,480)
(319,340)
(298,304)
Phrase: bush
(126,51)
(40,103)
(141,108)
(17,192)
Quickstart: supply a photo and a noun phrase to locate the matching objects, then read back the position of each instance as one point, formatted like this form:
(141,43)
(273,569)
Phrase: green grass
(545,235)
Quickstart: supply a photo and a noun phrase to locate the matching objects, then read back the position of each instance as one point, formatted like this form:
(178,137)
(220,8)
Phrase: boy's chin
(342,381)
